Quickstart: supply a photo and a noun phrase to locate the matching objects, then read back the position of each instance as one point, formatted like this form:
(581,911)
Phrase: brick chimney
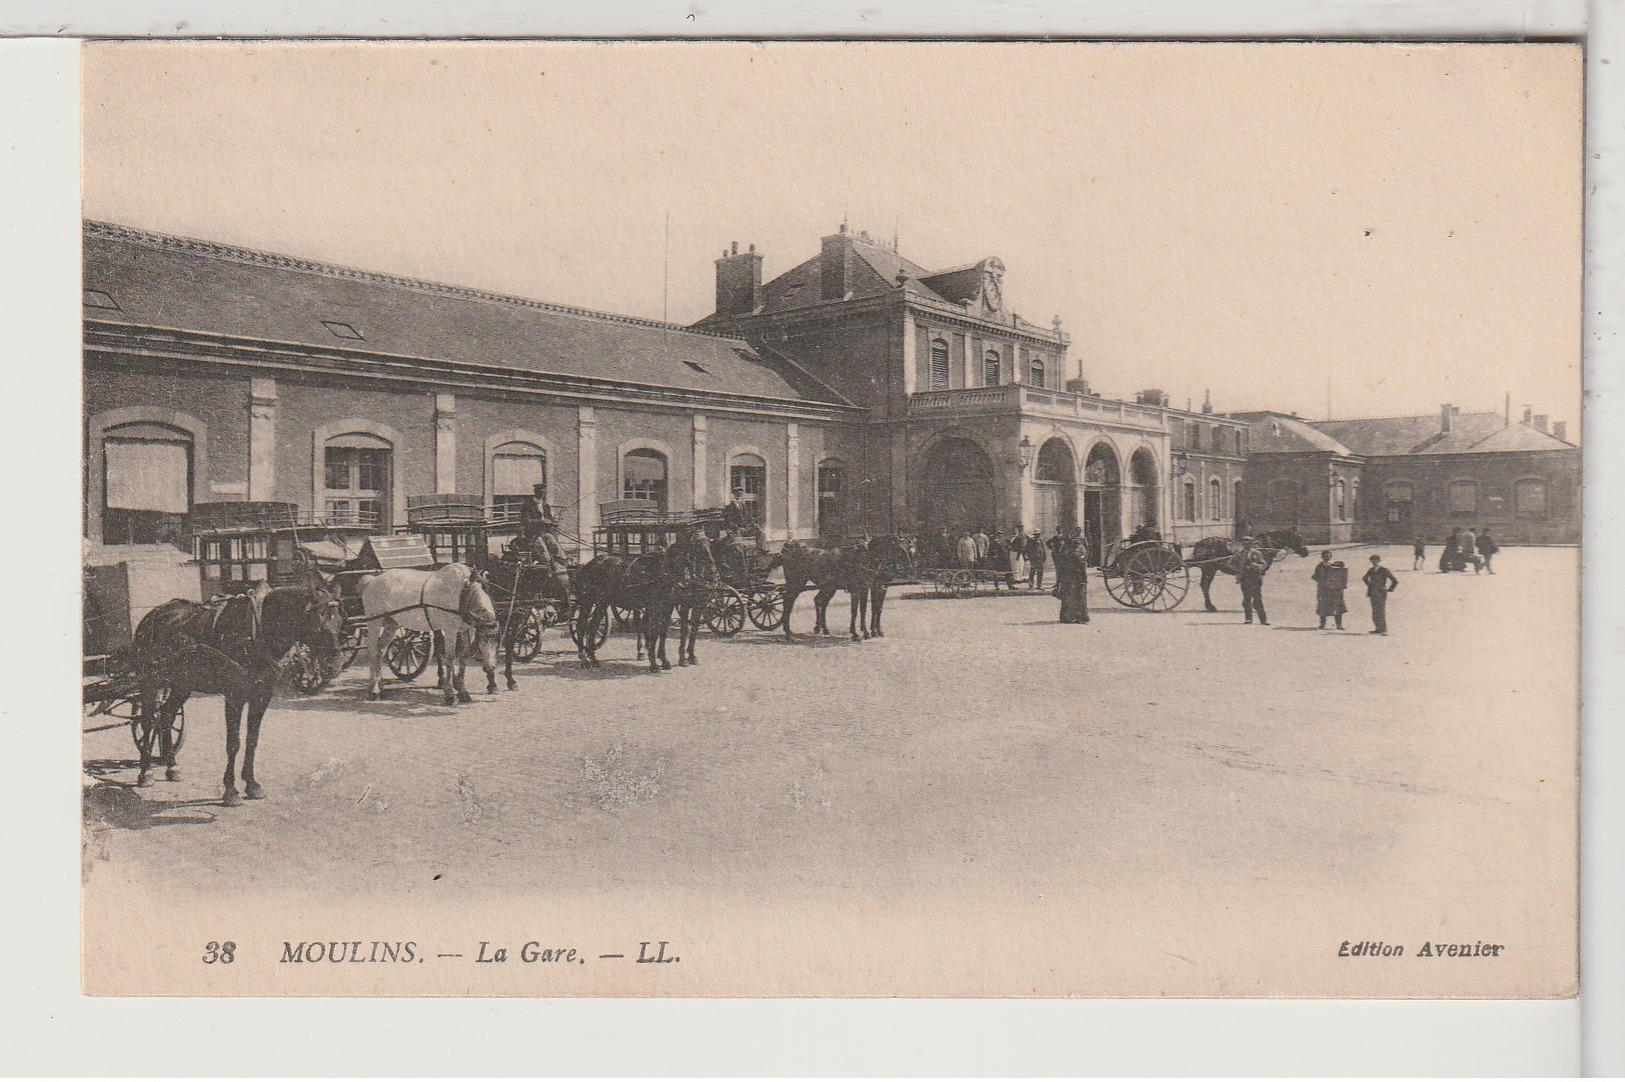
(1151,396)
(739,282)
(1445,412)
(1540,421)
(1528,415)
(835,266)
(1560,429)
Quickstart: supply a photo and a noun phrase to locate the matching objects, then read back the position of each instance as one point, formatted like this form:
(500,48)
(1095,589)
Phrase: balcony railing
(1035,401)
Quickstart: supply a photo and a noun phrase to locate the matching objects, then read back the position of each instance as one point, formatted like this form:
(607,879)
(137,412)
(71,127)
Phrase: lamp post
(1025,450)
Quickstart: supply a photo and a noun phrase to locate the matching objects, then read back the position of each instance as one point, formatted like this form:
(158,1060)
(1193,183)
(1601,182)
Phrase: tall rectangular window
(1463,497)
(357,484)
(518,477)
(148,490)
(939,365)
(990,368)
(1530,499)
(747,481)
(831,500)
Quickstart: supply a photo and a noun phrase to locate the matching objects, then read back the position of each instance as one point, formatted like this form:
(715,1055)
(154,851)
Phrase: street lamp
(1025,450)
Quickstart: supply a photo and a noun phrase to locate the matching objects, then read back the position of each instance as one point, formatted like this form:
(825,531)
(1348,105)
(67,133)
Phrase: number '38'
(224,953)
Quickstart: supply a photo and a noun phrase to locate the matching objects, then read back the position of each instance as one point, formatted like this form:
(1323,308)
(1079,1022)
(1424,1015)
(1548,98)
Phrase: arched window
(1354,500)
(939,365)
(1340,497)
(356,478)
(518,475)
(1035,371)
(747,483)
(1237,433)
(831,499)
(147,487)
(1215,499)
(1464,497)
(1397,496)
(990,368)
(1530,498)
(1193,435)
(1190,500)
(1235,501)
(643,475)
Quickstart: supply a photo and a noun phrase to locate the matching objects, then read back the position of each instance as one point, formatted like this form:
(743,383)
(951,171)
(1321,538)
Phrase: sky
(1381,228)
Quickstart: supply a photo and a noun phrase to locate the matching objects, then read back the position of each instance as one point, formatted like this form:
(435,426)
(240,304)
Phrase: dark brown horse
(640,585)
(861,568)
(1216,554)
(685,580)
(233,647)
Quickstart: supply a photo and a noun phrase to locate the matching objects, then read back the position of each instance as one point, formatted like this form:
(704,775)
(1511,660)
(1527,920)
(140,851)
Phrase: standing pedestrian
(1379,583)
(1252,564)
(966,550)
(1419,553)
(1487,548)
(1331,579)
(1469,549)
(980,540)
(1036,558)
(1072,583)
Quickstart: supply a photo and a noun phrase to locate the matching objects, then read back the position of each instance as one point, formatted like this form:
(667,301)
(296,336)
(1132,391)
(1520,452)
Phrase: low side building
(214,373)
(1396,478)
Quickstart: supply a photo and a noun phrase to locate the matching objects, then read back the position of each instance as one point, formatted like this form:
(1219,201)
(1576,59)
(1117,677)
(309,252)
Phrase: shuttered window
(148,475)
(518,475)
(939,365)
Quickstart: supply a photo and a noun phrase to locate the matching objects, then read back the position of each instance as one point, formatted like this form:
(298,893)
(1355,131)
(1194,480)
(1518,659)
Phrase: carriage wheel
(142,730)
(623,618)
(409,653)
(964,584)
(575,630)
(1116,586)
(305,672)
(1157,579)
(765,607)
(725,611)
(942,584)
(525,641)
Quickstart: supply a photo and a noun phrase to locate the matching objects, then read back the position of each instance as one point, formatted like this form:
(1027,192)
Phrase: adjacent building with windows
(972,420)
(214,373)
(1396,478)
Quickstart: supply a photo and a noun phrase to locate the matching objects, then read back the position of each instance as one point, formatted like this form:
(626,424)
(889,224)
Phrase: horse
(685,579)
(452,601)
(521,579)
(233,647)
(856,567)
(1216,554)
(612,581)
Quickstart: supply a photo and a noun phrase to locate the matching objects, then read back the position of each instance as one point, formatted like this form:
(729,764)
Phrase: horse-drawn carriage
(1147,574)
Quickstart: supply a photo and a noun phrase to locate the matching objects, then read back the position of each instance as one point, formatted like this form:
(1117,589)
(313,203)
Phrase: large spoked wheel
(964,584)
(725,611)
(1155,579)
(408,653)
(525,638)
(602,635)
(765,608)
(306,672)
(145,733)
(942,584)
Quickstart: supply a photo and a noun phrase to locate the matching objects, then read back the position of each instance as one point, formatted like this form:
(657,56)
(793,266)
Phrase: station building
(972,419)
(214,374)
(1391,479)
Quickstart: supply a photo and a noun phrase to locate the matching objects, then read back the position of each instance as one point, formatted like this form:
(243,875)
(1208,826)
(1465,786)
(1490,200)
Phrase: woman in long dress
(1331,579)
(1072,583)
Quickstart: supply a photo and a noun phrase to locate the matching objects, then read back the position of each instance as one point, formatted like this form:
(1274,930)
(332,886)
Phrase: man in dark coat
(1379,583)
(1037,556)
(1251,566)
(1419,553)
(1487,548)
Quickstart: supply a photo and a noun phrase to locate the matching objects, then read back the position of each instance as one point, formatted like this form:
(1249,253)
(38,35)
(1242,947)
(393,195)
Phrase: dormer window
(96,298)
(343,330)
(700,368)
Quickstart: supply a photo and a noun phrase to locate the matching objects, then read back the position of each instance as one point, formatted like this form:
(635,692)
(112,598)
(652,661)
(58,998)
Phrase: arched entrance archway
(1102,500)
(1055,485)
(1147,503)
(955,488)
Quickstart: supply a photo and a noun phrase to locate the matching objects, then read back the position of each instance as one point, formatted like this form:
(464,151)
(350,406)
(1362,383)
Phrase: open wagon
(1150,575)
(637,527)
(112,694)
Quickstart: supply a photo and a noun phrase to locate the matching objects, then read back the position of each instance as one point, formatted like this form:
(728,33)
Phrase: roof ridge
(220,250)
(1406,417)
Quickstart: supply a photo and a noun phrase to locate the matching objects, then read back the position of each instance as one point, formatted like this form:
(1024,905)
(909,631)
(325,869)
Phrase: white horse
(451,601)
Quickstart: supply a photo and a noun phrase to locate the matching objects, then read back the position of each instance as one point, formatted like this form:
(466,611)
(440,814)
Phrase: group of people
(1019,558)
(1462,549)
(1332,578)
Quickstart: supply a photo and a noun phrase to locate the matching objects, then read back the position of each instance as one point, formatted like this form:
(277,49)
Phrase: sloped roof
(958,285)
(175,282)
(1469,433)
(1277,433)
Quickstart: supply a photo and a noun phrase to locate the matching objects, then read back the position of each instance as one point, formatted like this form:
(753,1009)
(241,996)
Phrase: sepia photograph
(831,519)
